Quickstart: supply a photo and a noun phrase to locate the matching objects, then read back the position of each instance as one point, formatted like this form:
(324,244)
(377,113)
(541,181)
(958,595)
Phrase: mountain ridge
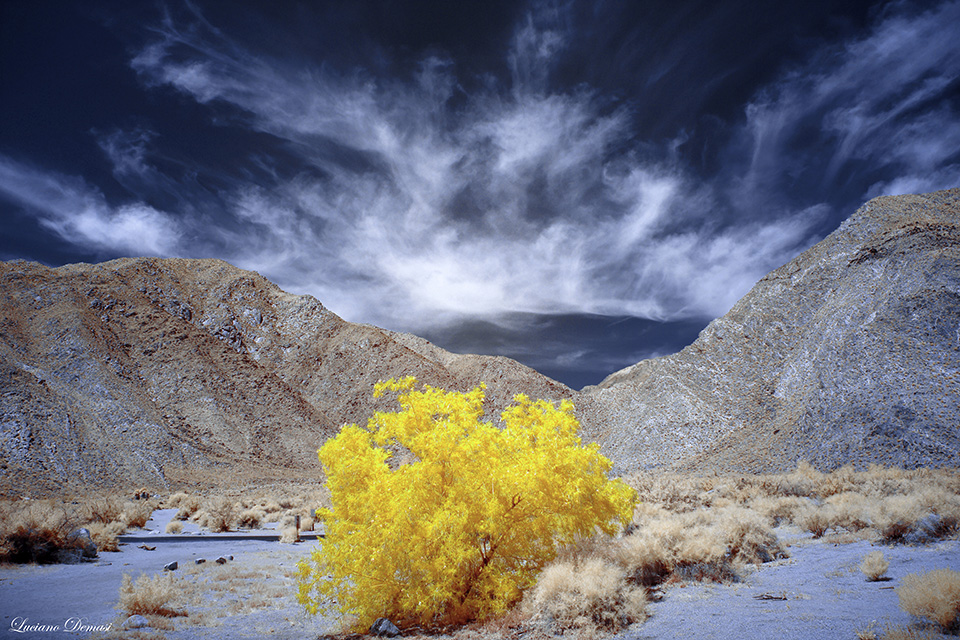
(147,370)
(846,354)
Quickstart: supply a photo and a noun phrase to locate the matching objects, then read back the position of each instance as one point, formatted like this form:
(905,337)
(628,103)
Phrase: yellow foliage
(462,528)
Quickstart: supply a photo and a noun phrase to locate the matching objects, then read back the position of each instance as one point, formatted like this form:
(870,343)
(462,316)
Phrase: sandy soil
(819,592)
(60,595)
(826,595)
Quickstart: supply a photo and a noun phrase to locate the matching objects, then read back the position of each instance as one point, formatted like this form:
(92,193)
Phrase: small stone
(230,558)
(82,540)
(199,561)
(136,622)
(383,627)
(171,566)
(221,560)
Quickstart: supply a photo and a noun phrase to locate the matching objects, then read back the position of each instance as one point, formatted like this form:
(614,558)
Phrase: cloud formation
(517,200)
(77,212)
(416,202)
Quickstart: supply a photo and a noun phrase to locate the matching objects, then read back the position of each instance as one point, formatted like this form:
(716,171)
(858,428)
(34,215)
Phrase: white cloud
(882,99)
(514,203)
(516,199)
(127,151)
(79,214)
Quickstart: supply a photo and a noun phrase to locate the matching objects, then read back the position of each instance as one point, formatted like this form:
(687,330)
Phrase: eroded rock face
(848,354)
(130,371)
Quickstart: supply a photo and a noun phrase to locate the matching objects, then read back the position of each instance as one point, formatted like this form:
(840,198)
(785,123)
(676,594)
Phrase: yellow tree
(459,528)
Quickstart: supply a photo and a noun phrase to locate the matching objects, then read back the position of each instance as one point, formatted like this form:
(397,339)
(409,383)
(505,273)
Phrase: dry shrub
(780,510)
(174,526)
(288,535)
(104,509)
(36,531)
(105,535)
(136,514)
(897,516)
(187,507)
(149,595)
(934,595)
(850,510)
(874,566)
(272,509)
(900,633)
(251,518)
(174,501)
(815,519)
(218,515)
(586,596)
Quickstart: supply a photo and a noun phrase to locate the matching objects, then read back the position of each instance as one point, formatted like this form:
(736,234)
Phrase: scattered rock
(146,547)
(383,627)
(136,622)
(221,560)
(82,540)
(171,566)
(199,561)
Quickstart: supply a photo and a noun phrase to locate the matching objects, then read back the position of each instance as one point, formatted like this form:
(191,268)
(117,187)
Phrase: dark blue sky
(578,185)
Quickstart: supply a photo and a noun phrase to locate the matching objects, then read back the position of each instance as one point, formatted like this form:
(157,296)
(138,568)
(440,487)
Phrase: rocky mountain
(848,354)
(138,371)
(149,371)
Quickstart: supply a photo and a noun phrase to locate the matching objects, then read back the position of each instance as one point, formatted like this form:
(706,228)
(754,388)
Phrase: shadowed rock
(848,354)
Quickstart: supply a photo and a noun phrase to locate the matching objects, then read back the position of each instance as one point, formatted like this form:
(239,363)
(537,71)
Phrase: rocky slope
(131,371)
(143,371)
(848,354)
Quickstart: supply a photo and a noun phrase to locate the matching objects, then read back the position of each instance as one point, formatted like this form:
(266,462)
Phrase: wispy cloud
(881,104)
(127,151)
(524,200)
(78,213)
(415,203)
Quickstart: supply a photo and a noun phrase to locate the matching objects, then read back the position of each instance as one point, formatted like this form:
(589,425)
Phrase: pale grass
(150,595)
(874,566)
(587,597)
(174,527)
(105,535)
(217,514)
(251,518)
(934,595)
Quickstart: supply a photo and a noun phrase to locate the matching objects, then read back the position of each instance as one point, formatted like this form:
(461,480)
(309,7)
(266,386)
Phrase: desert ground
(720,557)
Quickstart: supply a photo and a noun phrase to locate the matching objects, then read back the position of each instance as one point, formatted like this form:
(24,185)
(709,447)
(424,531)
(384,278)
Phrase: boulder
(383,627)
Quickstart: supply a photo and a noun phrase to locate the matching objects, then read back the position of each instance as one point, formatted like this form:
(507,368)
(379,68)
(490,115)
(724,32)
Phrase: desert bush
(467,522)
(780,510)
(136,514)
(105,535)
(187,507)
(850,510)
(218,514)
(934,595)
(36,531)
(174,526)
(585,596)
(289,535)
(104,509)
(250,518)
(874,566)
(816,519)
(149,595)
(173,501)
(896,516)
